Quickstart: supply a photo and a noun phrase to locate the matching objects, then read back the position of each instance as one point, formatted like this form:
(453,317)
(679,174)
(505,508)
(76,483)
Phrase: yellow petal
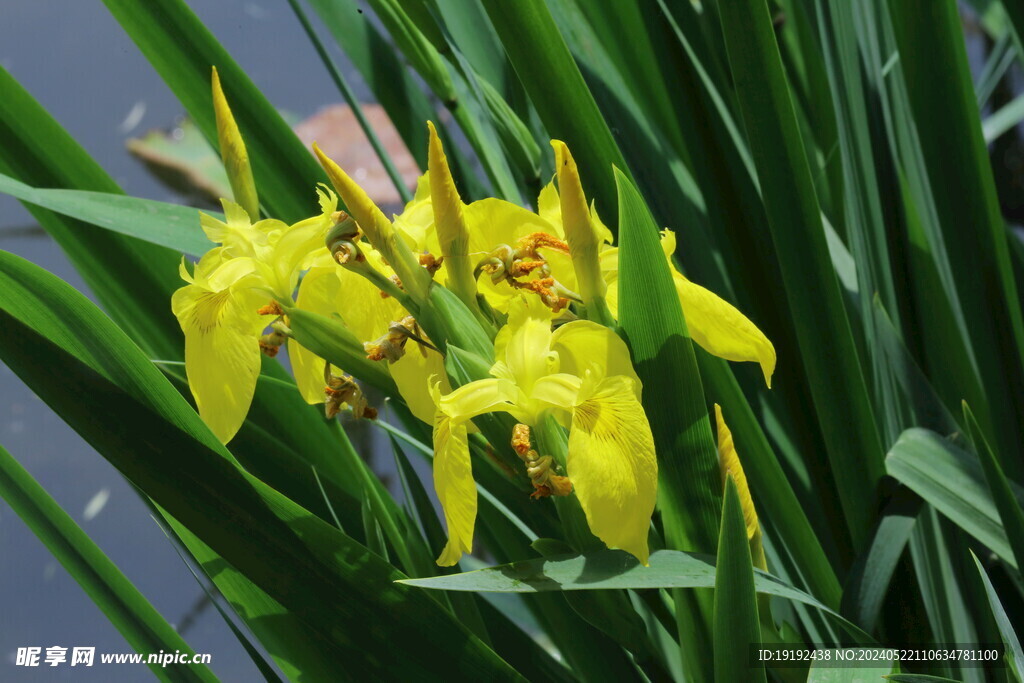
(445,200)
(580,233)
(583,345)
(612,465)
(412,373)
(222,355)
(729,462)
(549,205)
(456,490)
(317,294)
(722,330)
(479,397)
(524,343)
(233,152)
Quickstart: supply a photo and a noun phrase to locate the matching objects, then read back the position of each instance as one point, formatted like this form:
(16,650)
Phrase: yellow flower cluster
(525,277)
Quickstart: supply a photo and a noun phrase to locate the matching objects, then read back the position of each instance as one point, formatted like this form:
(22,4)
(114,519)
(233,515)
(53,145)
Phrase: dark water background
(75,59)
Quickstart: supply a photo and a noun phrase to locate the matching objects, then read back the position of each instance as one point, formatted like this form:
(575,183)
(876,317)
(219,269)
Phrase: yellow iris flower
(219,308)
(582,375)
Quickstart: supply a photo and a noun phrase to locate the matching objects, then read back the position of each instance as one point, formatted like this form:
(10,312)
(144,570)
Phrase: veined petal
(612,465)
(222,355)
(583,345)
(456,490)
(722,330)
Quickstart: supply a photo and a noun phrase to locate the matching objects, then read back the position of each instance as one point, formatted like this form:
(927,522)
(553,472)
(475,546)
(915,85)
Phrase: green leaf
(953,481)
(689,480)
(166,225)
(826,672)
(64,349)
(606,569)
(929,36)
(812,289)
(918,678)
(868,581)
(556,87)
(126,608)
(737,629)
(132,280)
(183,52)
(1010,513)
(1013,653)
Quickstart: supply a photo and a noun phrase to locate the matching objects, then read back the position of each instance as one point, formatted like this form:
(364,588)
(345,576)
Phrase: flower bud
(450,223)
(234,154)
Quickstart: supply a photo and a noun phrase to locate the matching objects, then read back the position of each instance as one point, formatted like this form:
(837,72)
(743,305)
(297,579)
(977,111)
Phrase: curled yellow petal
(612,465)
(412,373)
(377,228)
(456,490)
(580,233)
(722,330)
(729,462)
(717,325)
(233,152)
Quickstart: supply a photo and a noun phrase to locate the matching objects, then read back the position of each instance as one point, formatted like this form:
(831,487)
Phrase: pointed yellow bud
(377,228)
(234,154)
(450,223)
(583,239)
(729,462)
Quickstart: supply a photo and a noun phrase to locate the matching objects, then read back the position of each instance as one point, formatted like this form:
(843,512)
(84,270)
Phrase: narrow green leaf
(1010,513)
(613,569)
(848,424)
(167,225)
(689,480)
(737,630)
(953,481)
(1014,653)
(929,36)
(556,87)
(868,581)
(918,678)
(126,608)
(826,672)
(154,437)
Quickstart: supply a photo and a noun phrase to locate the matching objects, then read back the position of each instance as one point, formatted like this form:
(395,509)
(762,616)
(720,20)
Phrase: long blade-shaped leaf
(148,431)
(837,383)
(736,622)
(126,608)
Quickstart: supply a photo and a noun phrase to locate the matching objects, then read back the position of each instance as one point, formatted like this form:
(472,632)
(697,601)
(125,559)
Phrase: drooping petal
(717,325)
(729,463)
(222,355)
(612,465)
(456,489)
(722,330)
(583,345)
